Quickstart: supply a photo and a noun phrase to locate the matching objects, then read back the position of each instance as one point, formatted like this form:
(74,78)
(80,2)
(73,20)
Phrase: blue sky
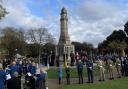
(89,20)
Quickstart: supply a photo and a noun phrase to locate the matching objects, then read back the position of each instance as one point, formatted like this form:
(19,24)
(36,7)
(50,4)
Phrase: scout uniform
(110,69)
(118,67)
(101,70)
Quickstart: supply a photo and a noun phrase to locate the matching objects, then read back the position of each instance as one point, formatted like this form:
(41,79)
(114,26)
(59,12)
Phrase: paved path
(53,83)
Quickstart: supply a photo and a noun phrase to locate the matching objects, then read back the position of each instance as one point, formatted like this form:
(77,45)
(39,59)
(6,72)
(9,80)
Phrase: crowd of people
(14,70)
(112,65)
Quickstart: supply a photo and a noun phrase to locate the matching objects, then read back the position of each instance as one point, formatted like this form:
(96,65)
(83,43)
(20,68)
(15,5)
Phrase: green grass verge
(113,84)
(53,72)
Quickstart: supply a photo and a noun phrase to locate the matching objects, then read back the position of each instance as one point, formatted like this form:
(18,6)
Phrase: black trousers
(60,79)
(72,62)
(126,69)
(123,70)
(90,75)
(68,78)
(80,75)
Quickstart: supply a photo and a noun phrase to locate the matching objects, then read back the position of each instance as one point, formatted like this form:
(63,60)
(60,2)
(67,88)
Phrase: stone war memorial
(64,47)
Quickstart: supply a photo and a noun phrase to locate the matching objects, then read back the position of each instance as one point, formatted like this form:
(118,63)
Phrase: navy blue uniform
(60,73)
(80,71)
(20,69)
(2,78)
(89,65)
(25,68)
(13,68)
(41,81)
(33,70)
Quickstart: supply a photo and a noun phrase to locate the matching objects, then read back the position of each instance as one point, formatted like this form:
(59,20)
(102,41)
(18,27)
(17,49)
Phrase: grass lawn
(53,72)
(113,84)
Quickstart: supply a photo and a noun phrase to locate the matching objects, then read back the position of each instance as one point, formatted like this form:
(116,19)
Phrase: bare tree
(39,36)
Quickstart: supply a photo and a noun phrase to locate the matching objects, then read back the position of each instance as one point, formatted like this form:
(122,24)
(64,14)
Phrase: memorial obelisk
(64,47)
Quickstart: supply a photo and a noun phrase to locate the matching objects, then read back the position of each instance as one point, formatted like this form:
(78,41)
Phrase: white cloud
(20,15)
(96,21)
(90,20)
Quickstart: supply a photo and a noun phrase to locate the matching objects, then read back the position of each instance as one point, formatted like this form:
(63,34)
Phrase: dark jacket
(14,83)
(89,64)
(67,70)
(80,66)
(31,83)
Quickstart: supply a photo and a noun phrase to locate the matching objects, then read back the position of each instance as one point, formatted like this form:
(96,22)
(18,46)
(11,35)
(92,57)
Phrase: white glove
(46,87)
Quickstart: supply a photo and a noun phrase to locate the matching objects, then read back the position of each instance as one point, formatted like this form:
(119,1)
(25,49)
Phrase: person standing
(29,69)
(52,58)
(33,69)
(2,77)
(41,81)
(29,66)
(57,60)
(45,57)
(24,66)
(14,82)
(60,73)
(110,69)
(77,57)
(89,65)
(83,56)
(65,59)
(67,71)
(126,66)
(72,56)
(20,68)
(13,68)
(31,83)
(118,67)
(101,70)
(80,71)
(123,63)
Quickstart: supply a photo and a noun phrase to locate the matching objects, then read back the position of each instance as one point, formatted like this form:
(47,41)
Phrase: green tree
(3,11)
(114,42)
(82,46)
(126,28)
(117,35)
(33,50)
(49,47)
(114,45)
(11,40)
(103,47)
(118,47)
